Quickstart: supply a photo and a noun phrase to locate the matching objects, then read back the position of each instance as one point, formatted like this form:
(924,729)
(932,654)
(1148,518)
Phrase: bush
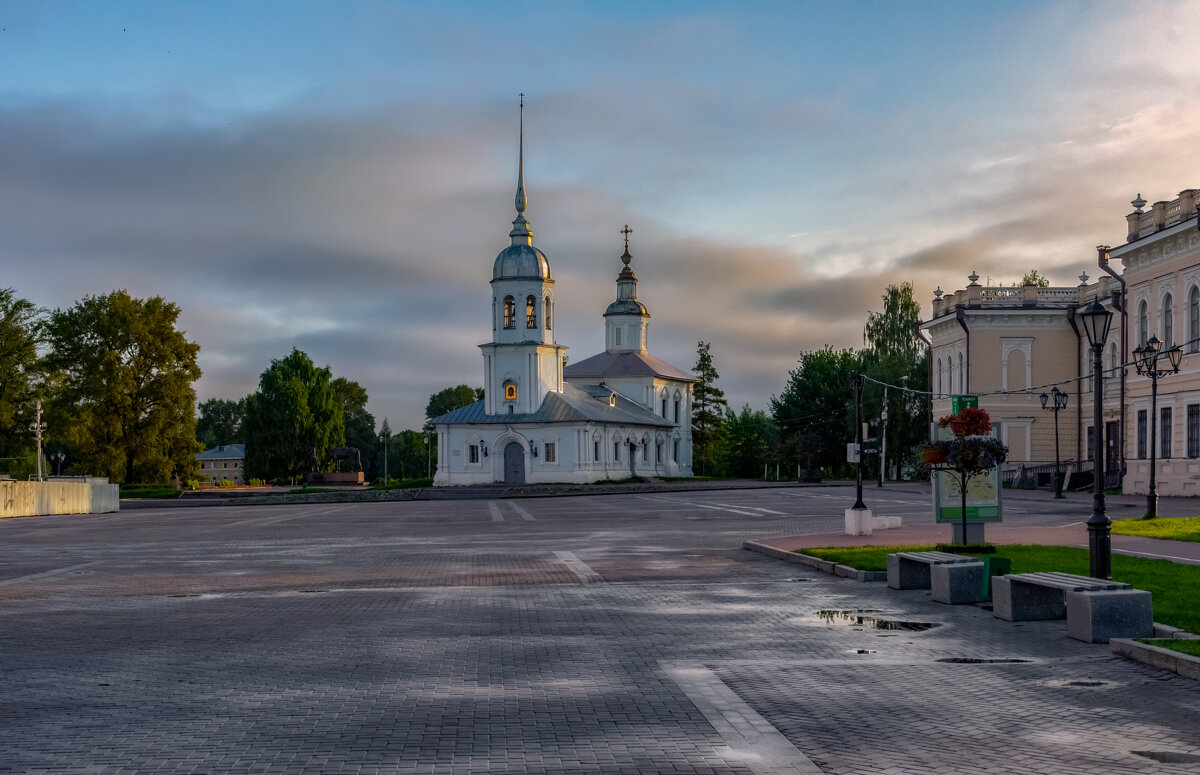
(225,483)
(256,482)
(148,491)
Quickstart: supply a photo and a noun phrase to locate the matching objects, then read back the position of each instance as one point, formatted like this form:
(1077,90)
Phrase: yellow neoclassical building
(1009,345)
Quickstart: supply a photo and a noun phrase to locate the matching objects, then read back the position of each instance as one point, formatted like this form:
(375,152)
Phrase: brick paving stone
(424,637)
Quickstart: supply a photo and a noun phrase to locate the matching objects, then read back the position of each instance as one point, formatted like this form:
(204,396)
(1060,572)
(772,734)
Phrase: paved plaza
(600,634)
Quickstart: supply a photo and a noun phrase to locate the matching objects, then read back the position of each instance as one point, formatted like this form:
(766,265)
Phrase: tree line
(114,376)
(812,420)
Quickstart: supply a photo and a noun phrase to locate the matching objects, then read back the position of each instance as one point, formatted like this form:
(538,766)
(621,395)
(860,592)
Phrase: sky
(338,177)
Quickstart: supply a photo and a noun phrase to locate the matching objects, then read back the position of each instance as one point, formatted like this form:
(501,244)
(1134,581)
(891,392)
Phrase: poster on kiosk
(984,503)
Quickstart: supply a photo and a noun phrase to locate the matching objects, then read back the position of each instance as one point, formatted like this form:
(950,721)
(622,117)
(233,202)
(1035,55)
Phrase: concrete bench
(911,570)
(1095,609)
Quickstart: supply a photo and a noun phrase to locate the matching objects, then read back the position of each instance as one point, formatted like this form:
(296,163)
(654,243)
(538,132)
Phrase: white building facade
(618,414)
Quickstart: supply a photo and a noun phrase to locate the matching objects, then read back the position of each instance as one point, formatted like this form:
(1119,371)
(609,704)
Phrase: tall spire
(626,280)
(520,230)
(521,199)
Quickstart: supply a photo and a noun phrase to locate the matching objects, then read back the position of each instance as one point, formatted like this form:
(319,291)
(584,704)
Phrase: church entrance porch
(514,463)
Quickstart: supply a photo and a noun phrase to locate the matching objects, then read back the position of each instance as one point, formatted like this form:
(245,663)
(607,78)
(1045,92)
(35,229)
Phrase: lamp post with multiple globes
(1056,405)
(1146,361)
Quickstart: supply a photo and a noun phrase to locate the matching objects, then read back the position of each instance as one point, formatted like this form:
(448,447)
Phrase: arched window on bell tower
(510,312)
(546,312)
(531,311)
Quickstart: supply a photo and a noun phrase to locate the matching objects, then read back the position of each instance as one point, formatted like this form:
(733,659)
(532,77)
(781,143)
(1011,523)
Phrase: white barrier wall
(27,499)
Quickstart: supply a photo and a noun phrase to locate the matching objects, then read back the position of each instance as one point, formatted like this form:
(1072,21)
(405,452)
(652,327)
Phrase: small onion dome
(626,307)
(521,262)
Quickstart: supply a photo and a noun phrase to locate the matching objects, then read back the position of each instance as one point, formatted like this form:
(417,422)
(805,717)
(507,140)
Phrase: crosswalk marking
(525,515)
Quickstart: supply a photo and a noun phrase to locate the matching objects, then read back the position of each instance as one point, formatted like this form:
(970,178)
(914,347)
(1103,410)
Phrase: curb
(825,566)
(1156,656)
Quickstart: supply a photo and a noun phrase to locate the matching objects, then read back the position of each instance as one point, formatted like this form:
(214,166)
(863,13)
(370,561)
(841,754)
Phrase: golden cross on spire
(627,231)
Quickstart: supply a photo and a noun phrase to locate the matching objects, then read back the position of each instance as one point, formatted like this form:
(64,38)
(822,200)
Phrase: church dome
(523,262)
(626,307)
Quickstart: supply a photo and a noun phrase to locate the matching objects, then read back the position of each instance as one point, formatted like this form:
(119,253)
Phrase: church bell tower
(523,362)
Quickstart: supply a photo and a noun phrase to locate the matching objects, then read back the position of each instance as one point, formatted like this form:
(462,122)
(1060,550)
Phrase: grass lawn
(1173,585)
(1183,646)
(1171,528)
(861,557)
(148,491)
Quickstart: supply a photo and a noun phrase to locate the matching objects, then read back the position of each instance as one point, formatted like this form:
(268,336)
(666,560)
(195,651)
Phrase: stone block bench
(1095,609)
(912,570)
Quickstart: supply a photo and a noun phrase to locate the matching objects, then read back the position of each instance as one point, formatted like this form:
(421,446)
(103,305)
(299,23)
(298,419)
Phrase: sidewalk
(1073,510)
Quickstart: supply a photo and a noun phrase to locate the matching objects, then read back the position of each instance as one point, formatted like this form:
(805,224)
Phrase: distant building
(1009,345)
(226,463)
(617,414)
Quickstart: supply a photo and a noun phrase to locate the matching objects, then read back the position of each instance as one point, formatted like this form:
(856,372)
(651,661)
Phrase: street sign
(958,403)
(867,450)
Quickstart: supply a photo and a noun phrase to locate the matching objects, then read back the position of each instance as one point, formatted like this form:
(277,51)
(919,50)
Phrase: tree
(895,352)
(1035,278)
(751,438)
(20,334)
(293,418)
(815,411)
(708,410)
(221,422)
(451,398)
(893,332)
(123,379)
(408,454)
(359,424)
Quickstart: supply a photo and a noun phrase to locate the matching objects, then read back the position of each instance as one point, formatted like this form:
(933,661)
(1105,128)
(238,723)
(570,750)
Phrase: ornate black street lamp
(1145,360)
(1057,405)
(1096,321)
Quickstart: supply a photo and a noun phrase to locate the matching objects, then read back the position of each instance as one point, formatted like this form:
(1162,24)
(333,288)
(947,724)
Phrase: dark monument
(347,468)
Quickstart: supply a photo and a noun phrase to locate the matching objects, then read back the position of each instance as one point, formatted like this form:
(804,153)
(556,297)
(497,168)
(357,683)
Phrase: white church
(617,414)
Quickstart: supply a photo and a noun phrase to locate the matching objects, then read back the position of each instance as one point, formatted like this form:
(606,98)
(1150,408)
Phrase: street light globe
(1096,322)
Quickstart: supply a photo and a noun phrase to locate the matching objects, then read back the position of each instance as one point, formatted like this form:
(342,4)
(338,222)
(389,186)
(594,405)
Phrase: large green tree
(221,422)
(708,411)
(20,334)
(451,398)
(293,420)
(815,411)
(896,356)
(359,424)
(408,455)
(750,442)
(123,393)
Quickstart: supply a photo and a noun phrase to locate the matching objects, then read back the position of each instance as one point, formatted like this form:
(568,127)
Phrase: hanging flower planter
(934,456)
(968,422)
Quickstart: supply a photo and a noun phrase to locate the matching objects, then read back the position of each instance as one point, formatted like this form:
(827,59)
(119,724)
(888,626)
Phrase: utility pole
(38,427)
(883,438)
(386,434)
(858,434)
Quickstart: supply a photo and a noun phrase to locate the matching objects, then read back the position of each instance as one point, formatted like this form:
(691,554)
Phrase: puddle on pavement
(982,661)
(864,618)
(1169,757)
(1081,683)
